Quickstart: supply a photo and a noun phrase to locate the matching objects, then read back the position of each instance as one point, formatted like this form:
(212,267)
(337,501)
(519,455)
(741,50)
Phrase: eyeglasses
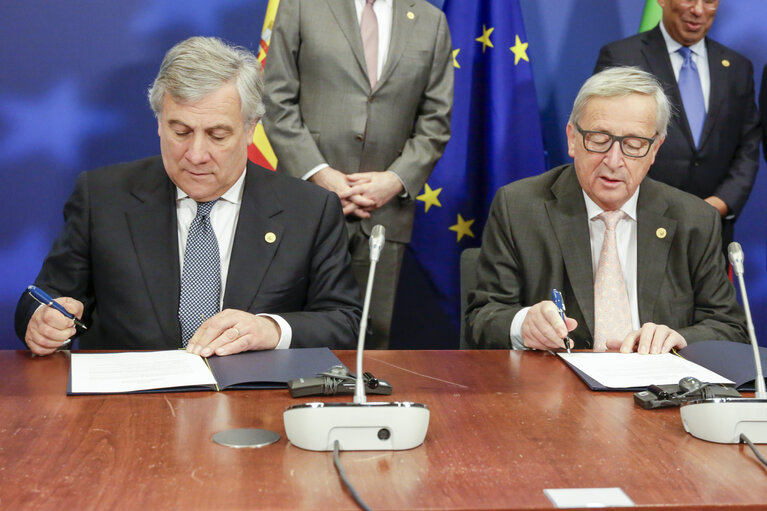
(601,142)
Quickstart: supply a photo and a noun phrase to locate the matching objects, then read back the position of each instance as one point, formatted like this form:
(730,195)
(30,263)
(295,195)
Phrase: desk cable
(339,468)
(744,440)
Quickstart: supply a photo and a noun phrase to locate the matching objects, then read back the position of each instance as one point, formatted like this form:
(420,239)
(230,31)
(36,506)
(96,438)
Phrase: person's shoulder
(284,184)
(533,187)
(680,203)
(126,171)
(734,57)
(630,42)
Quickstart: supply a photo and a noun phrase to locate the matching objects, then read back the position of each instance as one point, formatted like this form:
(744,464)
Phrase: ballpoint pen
(556,297)
(45,299)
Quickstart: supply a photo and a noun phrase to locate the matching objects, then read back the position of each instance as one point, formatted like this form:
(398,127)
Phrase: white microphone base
(722,420)
(376,426)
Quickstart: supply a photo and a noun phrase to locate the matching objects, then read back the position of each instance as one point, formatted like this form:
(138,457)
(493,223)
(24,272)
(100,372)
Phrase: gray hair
(199,66)
(621,81)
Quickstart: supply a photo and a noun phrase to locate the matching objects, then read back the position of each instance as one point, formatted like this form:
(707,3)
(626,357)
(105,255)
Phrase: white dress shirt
(626,239)
(699,56)
(223,219)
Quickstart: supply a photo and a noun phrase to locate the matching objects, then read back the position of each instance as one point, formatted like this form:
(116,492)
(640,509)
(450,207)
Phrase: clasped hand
(361,193)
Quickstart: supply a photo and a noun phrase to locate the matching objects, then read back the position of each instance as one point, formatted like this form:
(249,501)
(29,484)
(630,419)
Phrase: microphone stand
(723,419)
(358,426)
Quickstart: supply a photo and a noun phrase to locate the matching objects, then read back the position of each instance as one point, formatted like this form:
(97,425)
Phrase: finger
(627,344)
(541,332)
(231,335)
(646,335)
(209,330)
(349,208)
(673,341)
(361,213)
(74,307)
(659,337)
(359,177)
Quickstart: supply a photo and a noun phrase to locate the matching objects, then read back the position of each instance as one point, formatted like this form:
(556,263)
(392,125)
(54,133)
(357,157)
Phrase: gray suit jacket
(537,239)
(119,254)
(319,106)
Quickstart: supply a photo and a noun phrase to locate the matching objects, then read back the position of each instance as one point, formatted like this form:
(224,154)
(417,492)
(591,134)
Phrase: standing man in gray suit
(638,262)
(358,101)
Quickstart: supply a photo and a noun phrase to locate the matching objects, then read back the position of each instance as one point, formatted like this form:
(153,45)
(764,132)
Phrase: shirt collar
(673,46)
(233,194)
(629,207)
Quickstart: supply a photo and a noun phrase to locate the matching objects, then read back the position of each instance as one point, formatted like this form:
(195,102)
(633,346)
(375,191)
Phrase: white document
(588,497)
(131,371)
(627,370)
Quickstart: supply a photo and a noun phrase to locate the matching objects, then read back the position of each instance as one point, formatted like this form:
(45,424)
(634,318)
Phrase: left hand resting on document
(651,338)
(232,331)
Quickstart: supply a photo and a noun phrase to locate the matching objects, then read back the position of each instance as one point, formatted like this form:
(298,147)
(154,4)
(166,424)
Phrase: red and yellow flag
(260,151)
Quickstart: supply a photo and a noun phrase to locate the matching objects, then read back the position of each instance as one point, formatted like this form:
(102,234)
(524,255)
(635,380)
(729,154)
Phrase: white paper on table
(133,371)
(628,370)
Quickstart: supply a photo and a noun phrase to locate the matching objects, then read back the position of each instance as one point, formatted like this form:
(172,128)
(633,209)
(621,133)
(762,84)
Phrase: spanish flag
(260,151)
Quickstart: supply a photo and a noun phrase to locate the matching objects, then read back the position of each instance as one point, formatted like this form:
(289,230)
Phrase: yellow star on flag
(463,228)
(485,38)
(520,51)
(430,197)
(455,59)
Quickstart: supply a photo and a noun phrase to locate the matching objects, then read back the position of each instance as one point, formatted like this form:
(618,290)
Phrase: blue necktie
(692,94)
(201,275)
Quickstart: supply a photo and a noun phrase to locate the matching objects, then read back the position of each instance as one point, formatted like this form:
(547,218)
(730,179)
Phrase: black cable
(337,462)
(744,439)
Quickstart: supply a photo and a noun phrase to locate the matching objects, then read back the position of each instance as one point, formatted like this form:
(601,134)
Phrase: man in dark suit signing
(712,147)
(156,248)
(638,262)
(359,95)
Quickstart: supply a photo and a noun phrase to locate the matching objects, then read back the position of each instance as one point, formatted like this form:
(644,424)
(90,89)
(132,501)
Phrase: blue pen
(45,299)
(556,297)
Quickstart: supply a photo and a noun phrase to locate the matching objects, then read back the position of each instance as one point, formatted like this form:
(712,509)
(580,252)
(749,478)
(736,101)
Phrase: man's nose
(614,156)
(197,152)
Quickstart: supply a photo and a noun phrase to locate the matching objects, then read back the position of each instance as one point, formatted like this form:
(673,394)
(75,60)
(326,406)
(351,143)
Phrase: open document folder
(632,371)
(177,370)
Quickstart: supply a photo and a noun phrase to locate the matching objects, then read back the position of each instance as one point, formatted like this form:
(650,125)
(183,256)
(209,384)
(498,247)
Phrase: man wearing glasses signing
(638,262)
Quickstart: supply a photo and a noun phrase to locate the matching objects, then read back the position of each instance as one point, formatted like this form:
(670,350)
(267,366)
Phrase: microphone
(723,420)
(359,426)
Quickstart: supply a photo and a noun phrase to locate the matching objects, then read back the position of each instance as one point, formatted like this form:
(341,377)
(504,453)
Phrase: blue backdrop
(72,97)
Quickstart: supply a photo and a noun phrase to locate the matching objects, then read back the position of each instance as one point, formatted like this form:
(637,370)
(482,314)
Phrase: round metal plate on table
(246,437)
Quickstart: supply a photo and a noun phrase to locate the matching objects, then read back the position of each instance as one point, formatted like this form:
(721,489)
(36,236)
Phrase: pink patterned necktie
(369,32)
(612,314)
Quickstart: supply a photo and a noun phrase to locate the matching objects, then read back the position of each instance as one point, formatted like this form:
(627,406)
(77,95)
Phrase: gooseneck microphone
(735,254)
(359,426)
(722,419)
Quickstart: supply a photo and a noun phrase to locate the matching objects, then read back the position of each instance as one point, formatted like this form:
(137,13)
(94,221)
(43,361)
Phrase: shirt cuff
(404,194)
(314,170)
(515,332)
(286,333)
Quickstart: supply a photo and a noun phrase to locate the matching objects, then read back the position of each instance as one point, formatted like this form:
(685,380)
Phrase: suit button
(697,164)
(370,99)
(359,137)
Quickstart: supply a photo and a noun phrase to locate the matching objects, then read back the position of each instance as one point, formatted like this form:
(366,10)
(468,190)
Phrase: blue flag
(495,139)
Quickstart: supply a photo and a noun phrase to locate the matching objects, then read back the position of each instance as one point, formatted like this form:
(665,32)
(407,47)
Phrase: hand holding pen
(53,325)
(556,297)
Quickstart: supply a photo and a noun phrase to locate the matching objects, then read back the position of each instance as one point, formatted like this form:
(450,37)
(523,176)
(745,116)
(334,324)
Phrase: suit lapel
(256,240)
(718,76)
(655,233)
(567,213)
(151,223)
(346,16)
(402,27)
(659,64)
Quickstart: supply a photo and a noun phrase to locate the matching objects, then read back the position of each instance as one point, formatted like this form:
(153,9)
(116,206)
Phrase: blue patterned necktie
(692,94)
(201,275)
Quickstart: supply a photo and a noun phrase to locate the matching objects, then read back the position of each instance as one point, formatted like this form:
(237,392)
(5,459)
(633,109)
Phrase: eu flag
(495,138)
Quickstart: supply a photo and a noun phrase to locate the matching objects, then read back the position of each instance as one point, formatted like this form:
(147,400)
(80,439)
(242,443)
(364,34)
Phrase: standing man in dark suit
(712,148)
(638,262)
(157,247)
(358,101)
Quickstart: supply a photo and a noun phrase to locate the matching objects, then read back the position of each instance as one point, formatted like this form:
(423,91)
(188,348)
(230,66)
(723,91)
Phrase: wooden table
(503,428)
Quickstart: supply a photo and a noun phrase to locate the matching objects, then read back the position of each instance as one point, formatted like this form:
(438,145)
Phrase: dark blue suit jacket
(119,254)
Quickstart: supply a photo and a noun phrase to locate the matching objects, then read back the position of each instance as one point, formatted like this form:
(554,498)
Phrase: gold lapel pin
(410,15)
(660,232)
(725,63)
(270,237)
